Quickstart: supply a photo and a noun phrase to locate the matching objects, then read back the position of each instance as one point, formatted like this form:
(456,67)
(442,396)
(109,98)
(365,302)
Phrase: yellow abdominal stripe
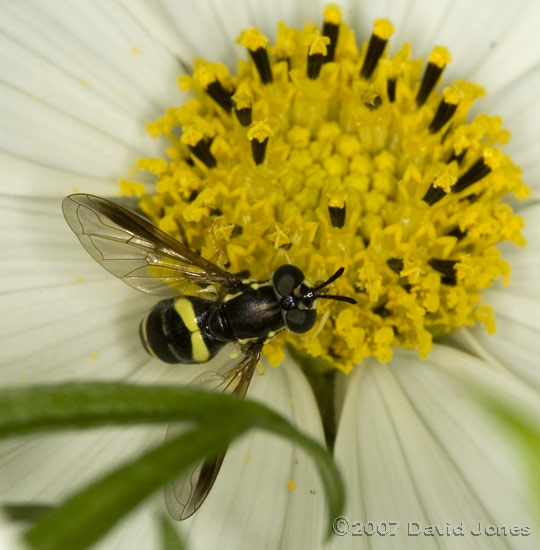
(324,153)
(185,310)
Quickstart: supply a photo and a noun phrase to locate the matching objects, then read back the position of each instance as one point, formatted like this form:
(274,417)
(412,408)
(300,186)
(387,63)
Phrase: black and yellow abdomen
(192,330)
(174,331)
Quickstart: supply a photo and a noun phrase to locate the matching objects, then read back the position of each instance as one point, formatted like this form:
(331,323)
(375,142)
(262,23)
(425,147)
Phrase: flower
(81,83)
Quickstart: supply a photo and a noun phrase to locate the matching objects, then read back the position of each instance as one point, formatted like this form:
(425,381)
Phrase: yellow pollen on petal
(340,170)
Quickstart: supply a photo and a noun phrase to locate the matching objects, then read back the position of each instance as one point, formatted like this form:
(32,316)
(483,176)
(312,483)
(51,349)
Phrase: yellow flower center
(323,154)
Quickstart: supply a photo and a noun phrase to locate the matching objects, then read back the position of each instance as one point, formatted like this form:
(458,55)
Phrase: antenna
(312,292)
(347,299)
(329,281)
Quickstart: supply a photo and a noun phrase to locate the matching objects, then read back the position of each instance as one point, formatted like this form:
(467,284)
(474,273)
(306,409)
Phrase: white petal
(265,15)
(516,344)
(46,468)
(517,102)
(200,24)
(140,530)
(511,75)
(423,451)
(81,83)
(154,20)
(59,307)
(22,176)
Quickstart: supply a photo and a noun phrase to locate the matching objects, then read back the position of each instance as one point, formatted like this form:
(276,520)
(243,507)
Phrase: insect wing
(138,252)
(184,495)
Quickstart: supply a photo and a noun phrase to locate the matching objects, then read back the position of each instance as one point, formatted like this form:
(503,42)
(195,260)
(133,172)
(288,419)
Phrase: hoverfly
(188,328)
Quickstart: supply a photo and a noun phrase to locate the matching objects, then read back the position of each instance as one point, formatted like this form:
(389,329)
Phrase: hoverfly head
(297,299)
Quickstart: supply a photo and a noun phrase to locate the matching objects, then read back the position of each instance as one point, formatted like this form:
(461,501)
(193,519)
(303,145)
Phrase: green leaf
(170,539)
(67,406)
(525,431)
(25,512)
(218,419)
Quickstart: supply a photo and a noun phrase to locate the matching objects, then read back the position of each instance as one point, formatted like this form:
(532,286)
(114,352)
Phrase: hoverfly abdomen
(174,331)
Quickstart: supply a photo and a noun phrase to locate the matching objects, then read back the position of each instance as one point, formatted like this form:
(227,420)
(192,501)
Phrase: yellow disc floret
(332,14)
(317,44)
(440,56)
(325,154)
(260,131)
(383,29)
(252,39)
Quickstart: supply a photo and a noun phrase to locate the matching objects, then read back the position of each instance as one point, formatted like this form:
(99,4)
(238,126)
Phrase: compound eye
(300,320)
(285,279)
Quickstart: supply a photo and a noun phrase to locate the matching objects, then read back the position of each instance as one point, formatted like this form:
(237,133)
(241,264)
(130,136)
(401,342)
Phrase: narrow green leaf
(69,406)
(26,512)
(525,431)
(170,539)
